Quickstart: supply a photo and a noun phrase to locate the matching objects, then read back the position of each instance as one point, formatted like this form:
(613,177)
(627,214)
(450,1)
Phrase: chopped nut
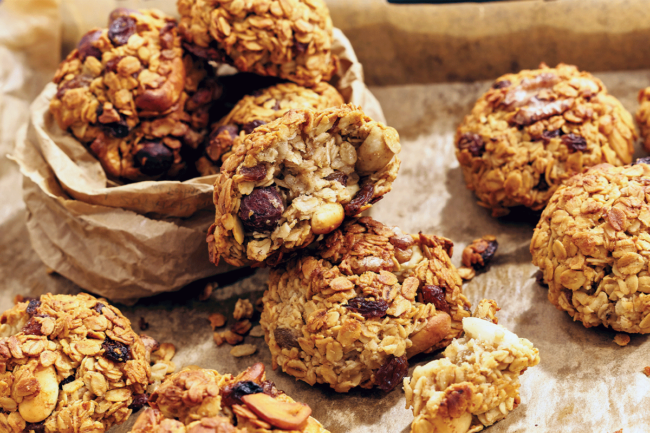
(243,350)
(622,339)
(241,327)
(280,414)
(217,320)
(243,309)
(257,331)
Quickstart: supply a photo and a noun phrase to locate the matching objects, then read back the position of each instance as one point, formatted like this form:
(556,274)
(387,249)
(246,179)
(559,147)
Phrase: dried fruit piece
(32,327)
(38,427)
(116,351)
(250,126)
(392,372)
(33,306)
(435,295)
(253,174)
(339,177)
(286,338)
(368,308)
(143,324)
(472,143)
(280,414)
(232,394)
(479,253)
(117,129)
(121,29)
(574,142)
(139,401)
(363,196)
(86,47)
(644,160)
(66,381)
(501,84)
(77,82)
(261,209)
(153,157)
(549,135)
(99,307)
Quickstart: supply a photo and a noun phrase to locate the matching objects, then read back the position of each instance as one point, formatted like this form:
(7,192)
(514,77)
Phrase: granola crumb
(207,291)
(241,327)
(218,338)
(243,309)
(232,338)
(217,320)
(257,331)
(646,371)
(466,273)
(622,339)
(478,254)
(243,350)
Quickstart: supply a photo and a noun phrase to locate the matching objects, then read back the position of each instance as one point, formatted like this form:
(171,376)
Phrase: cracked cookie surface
(353,311)
(198,400)
(72,364)
(592,244)
(295,178)
(290,39)
(537,128)
(477,382)
(131,95)
(259,108)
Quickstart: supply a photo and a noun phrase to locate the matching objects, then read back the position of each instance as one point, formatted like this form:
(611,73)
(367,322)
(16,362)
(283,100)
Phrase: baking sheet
(584,383)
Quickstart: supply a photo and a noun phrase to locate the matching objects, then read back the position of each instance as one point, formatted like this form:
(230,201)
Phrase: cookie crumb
(207,291)
(217,320)
(257,331)
(243,350)
(218,338)
(243,309)
(622,339)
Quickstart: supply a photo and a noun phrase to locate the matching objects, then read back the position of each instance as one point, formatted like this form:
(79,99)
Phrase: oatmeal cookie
(258,109)
(290,39)
(295,178)
(71,364)
(130,95)
(475,385)
(198,401)
(351,312)
(537,128)
(593,243)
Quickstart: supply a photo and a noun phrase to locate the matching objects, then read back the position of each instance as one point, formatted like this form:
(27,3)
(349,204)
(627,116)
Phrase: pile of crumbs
(235,335)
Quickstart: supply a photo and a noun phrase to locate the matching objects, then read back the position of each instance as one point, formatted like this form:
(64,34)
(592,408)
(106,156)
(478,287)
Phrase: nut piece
(243,309)
(479,253)
(39,407)
(243,350)
(232,338)
(280,414)
(436,329)
(377,150)
(217,320)
(327,218)
(241,327)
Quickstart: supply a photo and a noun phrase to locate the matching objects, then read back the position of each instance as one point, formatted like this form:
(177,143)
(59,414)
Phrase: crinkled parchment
(584,384)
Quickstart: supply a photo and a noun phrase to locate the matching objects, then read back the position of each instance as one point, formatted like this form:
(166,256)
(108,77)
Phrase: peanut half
(327,218)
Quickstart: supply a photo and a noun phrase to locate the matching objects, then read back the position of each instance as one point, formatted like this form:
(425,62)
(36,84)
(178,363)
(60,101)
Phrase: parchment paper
(128,241)
(584,384)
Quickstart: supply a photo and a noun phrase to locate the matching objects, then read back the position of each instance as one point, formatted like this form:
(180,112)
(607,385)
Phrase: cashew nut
(327,218)
(37,408)
(377,150)
(488,332)
(437,328)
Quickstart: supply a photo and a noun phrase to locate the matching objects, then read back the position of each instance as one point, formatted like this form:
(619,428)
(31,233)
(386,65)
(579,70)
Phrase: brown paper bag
(129,241)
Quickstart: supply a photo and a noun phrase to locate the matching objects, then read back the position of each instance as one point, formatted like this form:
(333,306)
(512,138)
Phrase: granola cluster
(477,382)
(131,94)
(260,108)
(72,364)
(537,128)
(352,312)
(593,245)
(296,178)
(290,39)
(199,401)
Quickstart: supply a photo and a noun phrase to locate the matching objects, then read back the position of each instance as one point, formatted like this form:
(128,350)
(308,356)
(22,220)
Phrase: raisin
(574,142)
(232,394)
(542,185)
(66,381)
(501,84)
(391,373)
(276,106)
(401,242)
(111,65)
(99,307)
(32,327)
(207,53)
(121,12)
(270,389)
(473,143)
(86,47)
(253,174)
(367,307)
(301,47)
(261,209)
(37,427)
(116,351)
(539,277)
(363,196)
(153,157)
(117,129)
(489,251)
(644,160)
(139,401)
(167,37)
(250,126)
(569,296)
(285,338)
(33,306)
(121,29)
(77,82)
(548,135)
(435,295)
(232,130)
(339,177)
(144,325)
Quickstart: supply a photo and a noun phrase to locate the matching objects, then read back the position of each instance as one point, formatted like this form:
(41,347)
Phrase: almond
(280,414)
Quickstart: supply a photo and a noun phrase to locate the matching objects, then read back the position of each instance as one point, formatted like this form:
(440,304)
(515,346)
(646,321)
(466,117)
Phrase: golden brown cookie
(592,243)
(534,129)
(294,179)
(290,39)
(354,310)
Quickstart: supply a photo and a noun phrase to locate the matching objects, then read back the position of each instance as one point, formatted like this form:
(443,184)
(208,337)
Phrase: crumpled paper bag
(125,242)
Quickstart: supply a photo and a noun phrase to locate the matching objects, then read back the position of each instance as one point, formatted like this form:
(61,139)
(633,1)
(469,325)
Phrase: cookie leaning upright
(290,39)
(69,363)
(353,311)
(296,178)
(535,129)
(592,244)
(197,400)
(260,108)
